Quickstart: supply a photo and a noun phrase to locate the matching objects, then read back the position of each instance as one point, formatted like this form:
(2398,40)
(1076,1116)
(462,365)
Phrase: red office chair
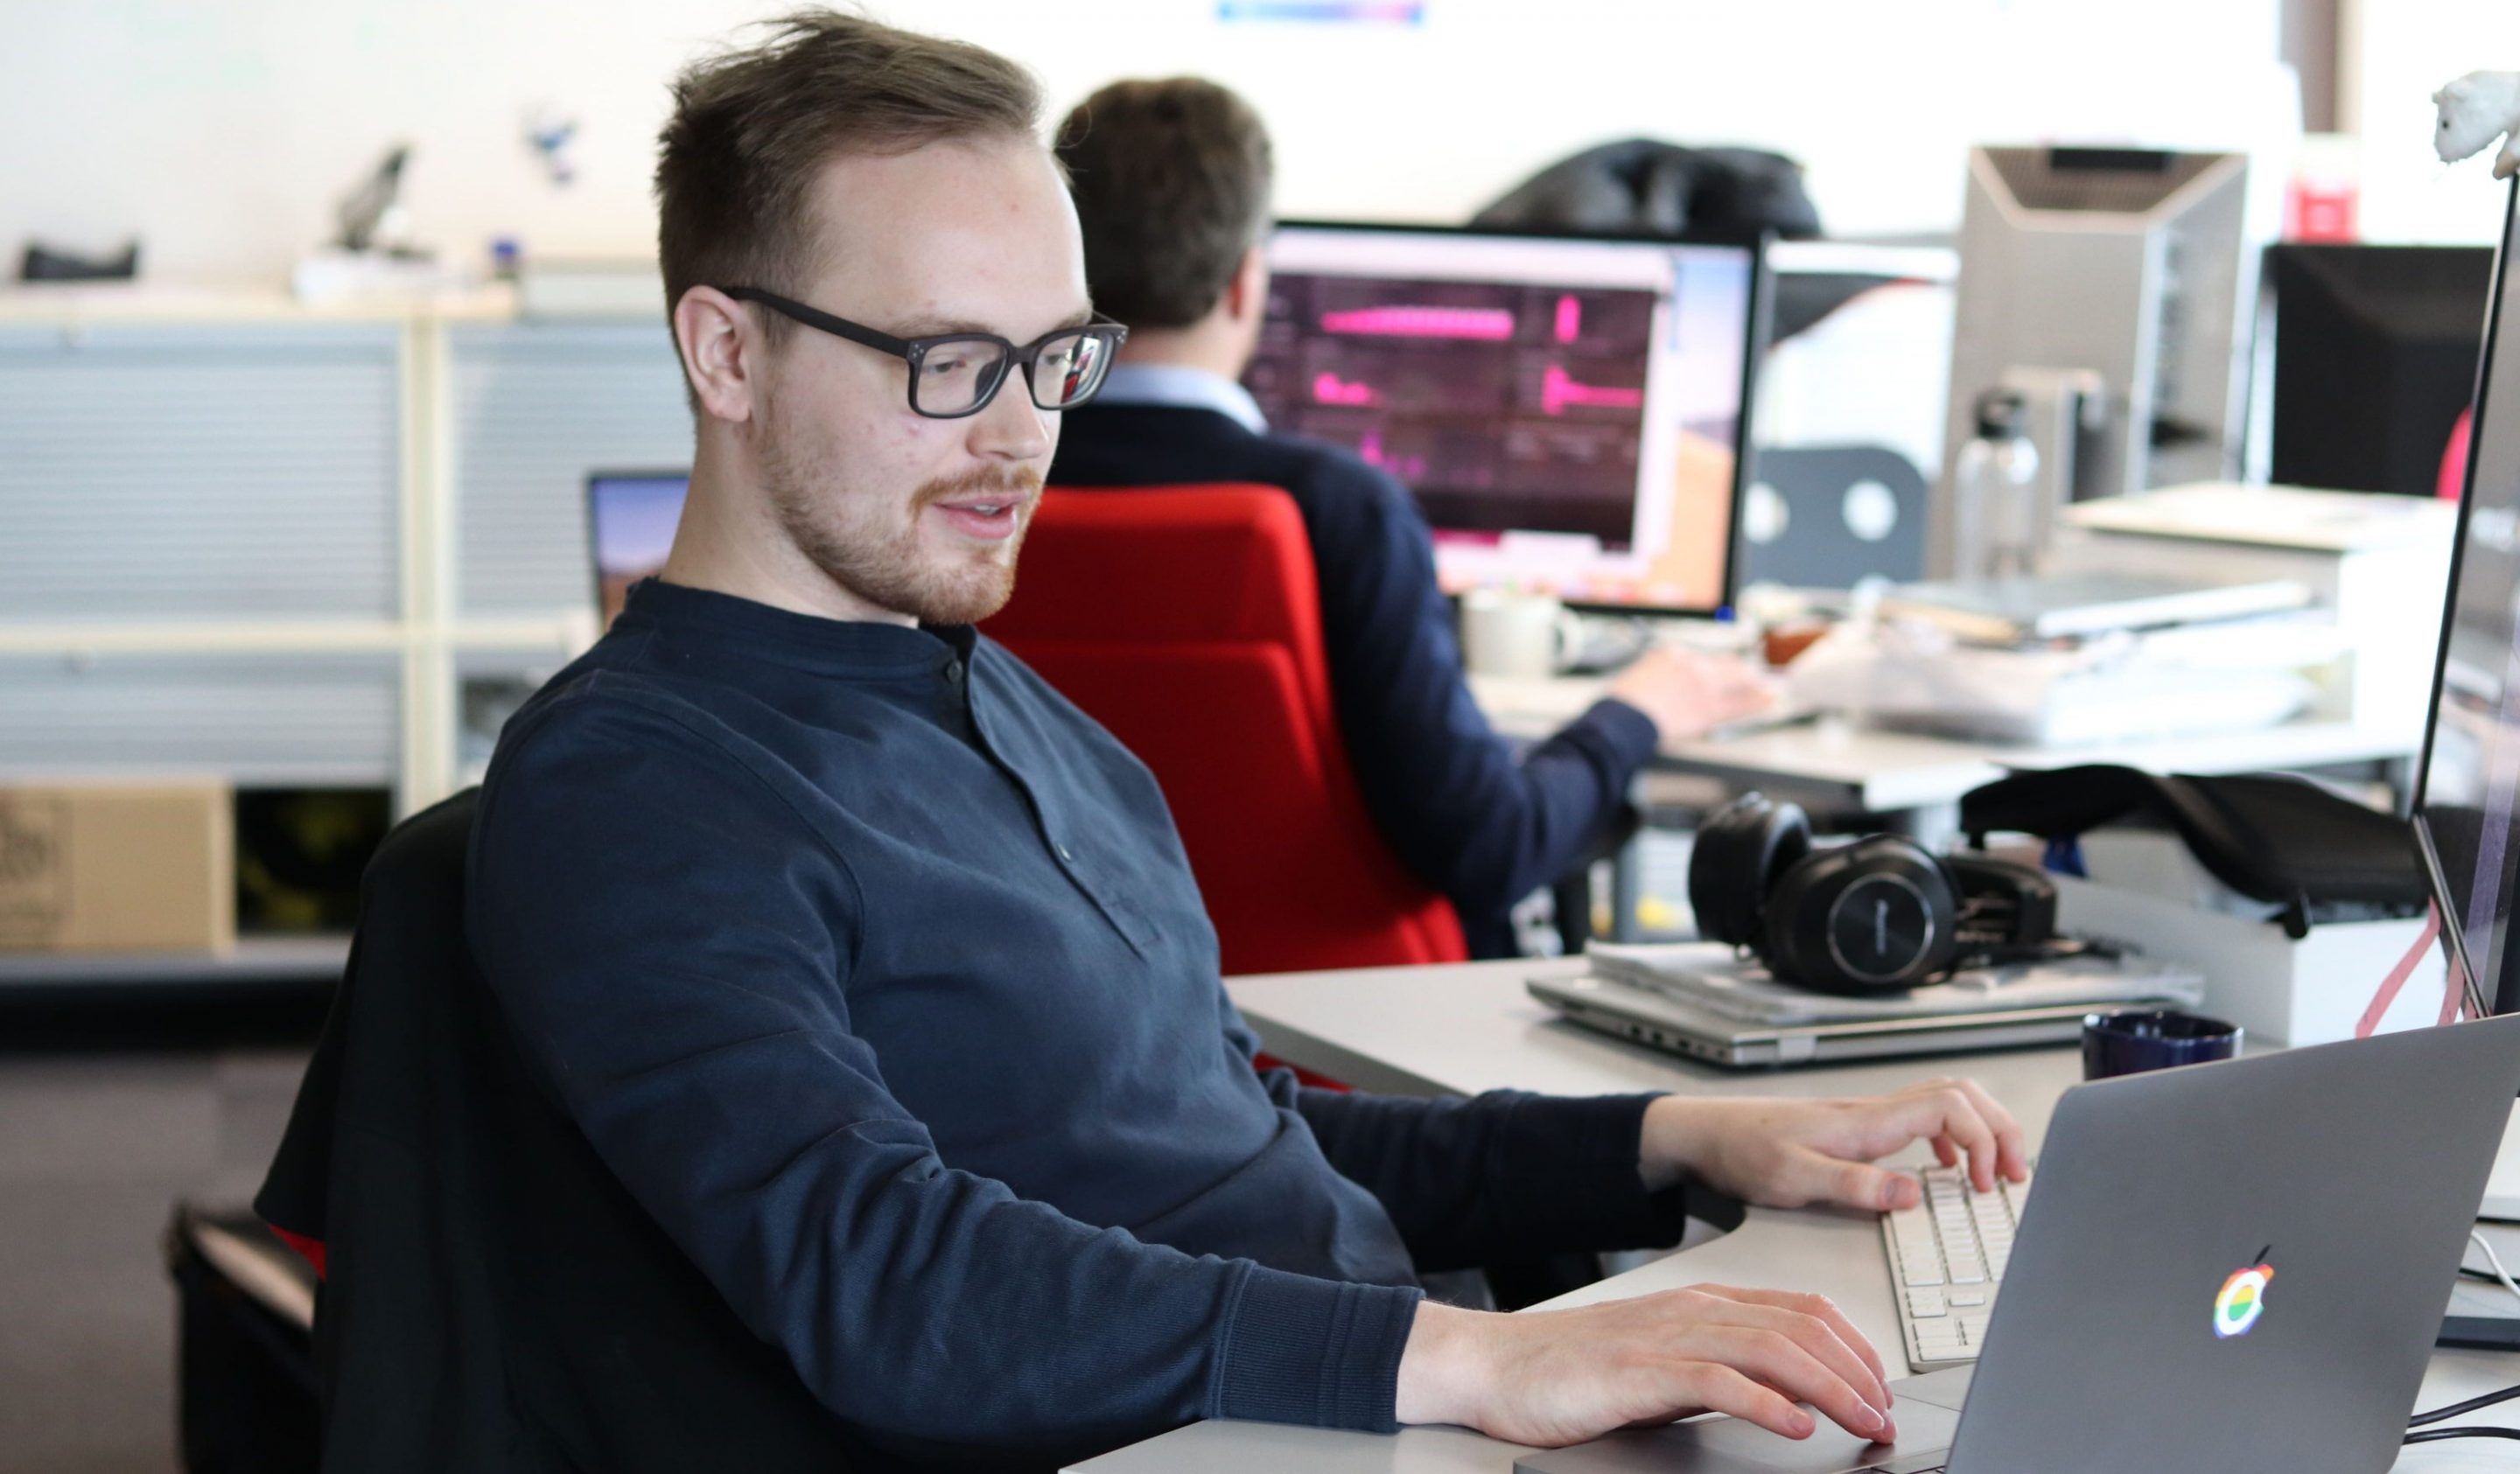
(1186,620)
(2454,462)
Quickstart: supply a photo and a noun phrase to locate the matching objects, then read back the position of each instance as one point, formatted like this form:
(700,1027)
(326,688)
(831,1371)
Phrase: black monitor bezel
(2428,851)
(1758,331)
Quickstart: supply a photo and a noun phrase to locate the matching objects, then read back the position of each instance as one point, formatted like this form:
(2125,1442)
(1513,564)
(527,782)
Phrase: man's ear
(1246,294)
(722,350)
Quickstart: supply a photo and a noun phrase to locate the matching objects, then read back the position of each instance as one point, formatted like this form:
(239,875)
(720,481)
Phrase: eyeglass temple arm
(838,327)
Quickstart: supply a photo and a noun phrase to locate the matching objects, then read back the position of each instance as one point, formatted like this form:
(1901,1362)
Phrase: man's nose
(1013,427)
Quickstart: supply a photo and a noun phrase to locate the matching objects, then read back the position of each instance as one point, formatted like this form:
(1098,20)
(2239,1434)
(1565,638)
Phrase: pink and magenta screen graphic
(1503,406)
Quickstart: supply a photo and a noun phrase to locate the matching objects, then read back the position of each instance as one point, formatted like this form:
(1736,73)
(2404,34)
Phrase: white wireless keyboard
(1946,1261)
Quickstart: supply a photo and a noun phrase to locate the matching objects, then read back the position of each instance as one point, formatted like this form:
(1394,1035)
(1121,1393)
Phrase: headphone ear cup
(1878,916)
(1740,851)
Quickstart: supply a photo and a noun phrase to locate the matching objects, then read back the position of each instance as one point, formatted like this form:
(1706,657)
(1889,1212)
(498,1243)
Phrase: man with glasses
(1172,182)
(872,970)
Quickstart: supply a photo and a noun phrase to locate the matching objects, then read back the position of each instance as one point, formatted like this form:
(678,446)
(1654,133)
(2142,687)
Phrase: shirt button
(1064,855)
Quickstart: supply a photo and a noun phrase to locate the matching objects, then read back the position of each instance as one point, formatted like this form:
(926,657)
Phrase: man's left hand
(1784,1153)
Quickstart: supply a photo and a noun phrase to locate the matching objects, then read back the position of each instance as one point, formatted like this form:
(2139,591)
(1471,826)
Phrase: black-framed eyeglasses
(953,375)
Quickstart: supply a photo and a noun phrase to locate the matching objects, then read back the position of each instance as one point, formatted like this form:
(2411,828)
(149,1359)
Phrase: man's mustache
(1013,485)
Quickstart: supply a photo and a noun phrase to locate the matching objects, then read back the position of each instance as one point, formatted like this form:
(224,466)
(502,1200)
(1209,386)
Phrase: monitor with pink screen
(1567,413)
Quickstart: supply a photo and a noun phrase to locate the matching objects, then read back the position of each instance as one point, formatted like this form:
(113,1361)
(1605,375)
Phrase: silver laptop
(1658,1019)
(2261,1294)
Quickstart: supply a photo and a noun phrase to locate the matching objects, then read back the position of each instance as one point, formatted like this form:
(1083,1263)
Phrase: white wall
(2396,53)
(222,132)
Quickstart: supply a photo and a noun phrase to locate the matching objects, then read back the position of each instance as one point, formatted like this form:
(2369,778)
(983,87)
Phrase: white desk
(1844,766)
(1470,1028)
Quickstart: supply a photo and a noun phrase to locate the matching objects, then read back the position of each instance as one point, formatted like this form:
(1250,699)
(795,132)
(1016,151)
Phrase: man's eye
(946,365)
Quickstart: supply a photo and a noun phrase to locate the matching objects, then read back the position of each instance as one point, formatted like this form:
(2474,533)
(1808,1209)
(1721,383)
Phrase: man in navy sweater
(1172,183)
(874,972)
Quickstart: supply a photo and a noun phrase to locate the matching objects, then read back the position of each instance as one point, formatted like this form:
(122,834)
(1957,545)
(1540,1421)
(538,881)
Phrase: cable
(2454,1410)
(2502,1275)
(2425,1420)
(2436,1435)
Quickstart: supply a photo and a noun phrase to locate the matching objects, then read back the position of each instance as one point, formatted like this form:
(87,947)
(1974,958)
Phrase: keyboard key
(1966,1298)
(1922,1303)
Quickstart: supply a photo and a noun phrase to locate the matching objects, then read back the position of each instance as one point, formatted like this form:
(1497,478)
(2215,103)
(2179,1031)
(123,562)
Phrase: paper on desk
(2120,687)
(1712,977)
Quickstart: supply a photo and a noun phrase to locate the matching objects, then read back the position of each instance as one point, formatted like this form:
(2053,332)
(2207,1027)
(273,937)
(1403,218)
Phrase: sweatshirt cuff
(1317,1352)
(1628,734)
(1573,1162)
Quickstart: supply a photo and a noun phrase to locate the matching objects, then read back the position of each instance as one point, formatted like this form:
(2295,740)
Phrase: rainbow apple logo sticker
(2243,1298)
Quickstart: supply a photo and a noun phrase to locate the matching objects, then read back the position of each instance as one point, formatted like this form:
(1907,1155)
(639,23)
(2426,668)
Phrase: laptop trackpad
(1729,1446)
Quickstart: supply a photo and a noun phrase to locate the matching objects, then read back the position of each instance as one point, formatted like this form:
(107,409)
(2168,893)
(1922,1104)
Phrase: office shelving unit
(280,544)
(297,545)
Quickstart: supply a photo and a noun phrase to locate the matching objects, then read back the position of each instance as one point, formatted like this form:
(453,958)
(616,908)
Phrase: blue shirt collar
(1179,387)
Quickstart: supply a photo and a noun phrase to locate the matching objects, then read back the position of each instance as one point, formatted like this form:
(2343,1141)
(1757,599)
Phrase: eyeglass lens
(958,375)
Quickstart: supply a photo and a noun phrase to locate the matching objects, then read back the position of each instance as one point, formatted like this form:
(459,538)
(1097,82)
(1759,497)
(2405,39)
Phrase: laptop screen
(630,521)
(2470,774)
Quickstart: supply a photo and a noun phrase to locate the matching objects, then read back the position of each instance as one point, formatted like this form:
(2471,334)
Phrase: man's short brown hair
(1172,182)
(752,129)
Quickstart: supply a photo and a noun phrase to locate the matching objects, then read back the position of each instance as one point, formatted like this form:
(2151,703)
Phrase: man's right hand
(1687,693)
(1558,1377)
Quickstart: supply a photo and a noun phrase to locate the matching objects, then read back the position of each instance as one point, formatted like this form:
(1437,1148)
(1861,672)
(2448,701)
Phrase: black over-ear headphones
(1876,916)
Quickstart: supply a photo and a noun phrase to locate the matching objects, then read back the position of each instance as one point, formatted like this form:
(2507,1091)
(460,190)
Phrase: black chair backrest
(495,1300)
(385,1146)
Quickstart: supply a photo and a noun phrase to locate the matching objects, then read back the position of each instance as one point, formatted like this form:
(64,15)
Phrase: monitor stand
(2480,1332)
(2501,1210)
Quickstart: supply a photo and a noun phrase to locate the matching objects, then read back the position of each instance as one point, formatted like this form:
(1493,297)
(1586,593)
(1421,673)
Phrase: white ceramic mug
(1504,633)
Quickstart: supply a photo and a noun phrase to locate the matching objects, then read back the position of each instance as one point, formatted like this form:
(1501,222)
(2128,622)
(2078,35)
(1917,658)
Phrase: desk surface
(1890,772)
(1470,1028)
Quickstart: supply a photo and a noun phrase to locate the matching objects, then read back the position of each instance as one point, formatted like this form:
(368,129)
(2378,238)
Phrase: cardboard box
(117,867)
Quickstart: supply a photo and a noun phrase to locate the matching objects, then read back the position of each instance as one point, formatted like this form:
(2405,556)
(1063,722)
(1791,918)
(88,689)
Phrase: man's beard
(864,545)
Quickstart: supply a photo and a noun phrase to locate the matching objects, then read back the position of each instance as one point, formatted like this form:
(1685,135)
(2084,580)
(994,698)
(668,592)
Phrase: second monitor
(1568,413)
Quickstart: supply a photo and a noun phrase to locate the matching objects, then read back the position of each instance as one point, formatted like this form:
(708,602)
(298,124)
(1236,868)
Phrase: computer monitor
(1569,411)
(2114,290)
(630,518)
(2469,775)
(2374,358)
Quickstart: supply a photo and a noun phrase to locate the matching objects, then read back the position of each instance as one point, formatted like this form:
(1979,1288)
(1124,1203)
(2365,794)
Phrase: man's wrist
(1440,1372)
(1668,1142)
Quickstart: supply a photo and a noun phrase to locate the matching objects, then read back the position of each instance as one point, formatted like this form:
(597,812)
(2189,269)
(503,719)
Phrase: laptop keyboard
(1946,1261)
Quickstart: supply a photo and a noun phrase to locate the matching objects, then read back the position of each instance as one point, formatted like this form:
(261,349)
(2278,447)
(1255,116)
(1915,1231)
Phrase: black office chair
(479,1258)
(246,1399)
(389,1152)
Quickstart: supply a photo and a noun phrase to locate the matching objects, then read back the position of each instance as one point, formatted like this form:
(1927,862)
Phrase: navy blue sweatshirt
(873,970)
(1466,815)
